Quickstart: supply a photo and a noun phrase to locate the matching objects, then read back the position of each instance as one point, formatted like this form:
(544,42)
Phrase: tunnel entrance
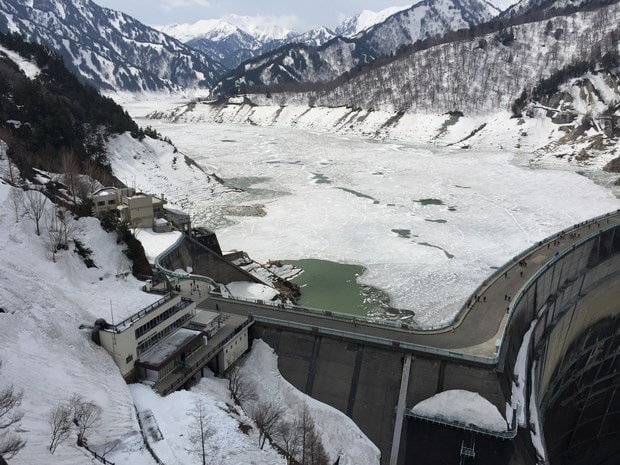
(581,408)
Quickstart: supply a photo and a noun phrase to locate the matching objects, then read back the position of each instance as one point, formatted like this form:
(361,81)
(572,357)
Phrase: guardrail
(395,344)
(500,271)
(411,326)
(530,282)
(348,317)
(508,434)
(202,361)
(136,316)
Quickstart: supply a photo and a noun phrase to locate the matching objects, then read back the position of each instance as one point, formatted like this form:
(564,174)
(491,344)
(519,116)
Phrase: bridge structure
(557,304)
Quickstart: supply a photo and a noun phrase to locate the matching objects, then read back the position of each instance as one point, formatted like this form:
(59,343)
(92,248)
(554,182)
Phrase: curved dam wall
(574,302)
(574,352)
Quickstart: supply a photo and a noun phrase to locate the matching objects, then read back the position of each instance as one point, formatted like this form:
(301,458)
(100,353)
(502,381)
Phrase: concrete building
(170,341)
(128,340)
(138,209)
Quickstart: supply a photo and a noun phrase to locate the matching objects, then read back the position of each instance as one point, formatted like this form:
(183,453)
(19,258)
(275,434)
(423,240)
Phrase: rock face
(109,49)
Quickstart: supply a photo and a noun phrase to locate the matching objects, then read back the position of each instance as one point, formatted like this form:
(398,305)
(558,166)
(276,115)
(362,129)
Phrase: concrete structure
(204,261)
(178,218)
(170,341)
(566,287)
(131,338)
(138,209)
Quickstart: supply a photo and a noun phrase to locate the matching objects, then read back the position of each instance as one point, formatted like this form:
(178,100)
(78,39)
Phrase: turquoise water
(333,286)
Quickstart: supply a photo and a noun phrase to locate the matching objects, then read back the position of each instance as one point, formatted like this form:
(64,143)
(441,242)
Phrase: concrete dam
(564,317)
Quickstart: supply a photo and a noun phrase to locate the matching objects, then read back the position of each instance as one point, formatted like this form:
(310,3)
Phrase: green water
(333,286)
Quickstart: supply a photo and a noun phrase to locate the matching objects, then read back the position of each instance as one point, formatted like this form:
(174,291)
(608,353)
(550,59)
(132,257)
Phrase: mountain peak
(366,19)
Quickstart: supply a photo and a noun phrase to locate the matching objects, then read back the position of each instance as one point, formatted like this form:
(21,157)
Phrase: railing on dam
(510,433)
(411,327)
(525,253)
(543,269)
(370,339)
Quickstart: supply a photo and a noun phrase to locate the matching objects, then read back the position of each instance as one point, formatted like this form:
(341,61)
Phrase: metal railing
(530,282)
(393,343)
(203,360)
(510,433)
(347,317)
(411,327)
(136,316)
(524,254)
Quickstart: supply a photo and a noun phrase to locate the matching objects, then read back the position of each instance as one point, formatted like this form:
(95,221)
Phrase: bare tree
(12,170)
(16,200)
(70,171)
(312,451)
(108,447)
(267,416)
(10,399)
(86,416)
(241,388)
(201,430)
(60,425)
(60,227)
(35,207)
(289,439)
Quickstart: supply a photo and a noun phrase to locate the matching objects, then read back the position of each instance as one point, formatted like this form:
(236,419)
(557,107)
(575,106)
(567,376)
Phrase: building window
(146,327)
(101,203)
(151,341)
(129,358)
(111,202)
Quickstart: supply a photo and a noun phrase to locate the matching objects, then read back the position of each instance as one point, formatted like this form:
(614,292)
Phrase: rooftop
(165,349)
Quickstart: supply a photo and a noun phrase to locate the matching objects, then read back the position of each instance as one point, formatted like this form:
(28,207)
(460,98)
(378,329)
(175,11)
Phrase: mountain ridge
(109,49)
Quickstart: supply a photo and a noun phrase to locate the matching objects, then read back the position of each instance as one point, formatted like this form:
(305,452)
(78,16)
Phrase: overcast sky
(298,15)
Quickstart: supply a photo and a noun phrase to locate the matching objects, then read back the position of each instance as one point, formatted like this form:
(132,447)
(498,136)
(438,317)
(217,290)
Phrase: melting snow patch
(249,290)
(463,407)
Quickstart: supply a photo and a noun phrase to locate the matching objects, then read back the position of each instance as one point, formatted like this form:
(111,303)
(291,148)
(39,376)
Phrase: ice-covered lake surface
(428,223)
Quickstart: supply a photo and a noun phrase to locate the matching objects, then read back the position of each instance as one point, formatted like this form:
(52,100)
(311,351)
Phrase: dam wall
(573,301)
(204,261)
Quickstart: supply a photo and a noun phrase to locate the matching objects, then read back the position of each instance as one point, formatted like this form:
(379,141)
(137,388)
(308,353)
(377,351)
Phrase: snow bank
(155,244)
(172,415)
(463,407)
(250,290)
(339,434)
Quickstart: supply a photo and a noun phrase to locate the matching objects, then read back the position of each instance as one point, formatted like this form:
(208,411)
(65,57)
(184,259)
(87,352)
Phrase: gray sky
(298,15)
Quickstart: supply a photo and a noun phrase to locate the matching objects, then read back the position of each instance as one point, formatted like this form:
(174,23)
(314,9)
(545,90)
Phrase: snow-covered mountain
(109,49)
(300,63)
(523,6)
(365,20)
(228,43)
(484,73)
(235,38)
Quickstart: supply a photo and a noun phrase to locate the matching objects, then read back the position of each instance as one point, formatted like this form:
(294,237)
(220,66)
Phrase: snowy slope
(46,353)
(295,64)
(43,350)
(109,49)
(365,20)
(479,75)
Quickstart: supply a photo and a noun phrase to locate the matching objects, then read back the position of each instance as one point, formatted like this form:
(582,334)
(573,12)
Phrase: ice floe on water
(428,223)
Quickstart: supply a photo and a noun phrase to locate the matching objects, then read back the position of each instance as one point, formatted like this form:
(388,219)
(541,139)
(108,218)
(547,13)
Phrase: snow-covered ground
(428,223)
(46,350)
(462,407)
